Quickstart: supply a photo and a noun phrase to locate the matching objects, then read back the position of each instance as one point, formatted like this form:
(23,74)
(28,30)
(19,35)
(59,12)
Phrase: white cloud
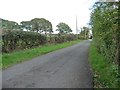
(54,10)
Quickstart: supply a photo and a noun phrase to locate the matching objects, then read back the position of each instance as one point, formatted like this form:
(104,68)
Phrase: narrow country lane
(65,68)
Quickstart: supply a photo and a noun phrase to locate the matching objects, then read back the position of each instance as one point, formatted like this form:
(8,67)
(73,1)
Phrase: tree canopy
(63,28)
(9,25)
(37,25)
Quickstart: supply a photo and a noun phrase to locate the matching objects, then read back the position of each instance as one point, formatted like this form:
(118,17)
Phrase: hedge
(21,40)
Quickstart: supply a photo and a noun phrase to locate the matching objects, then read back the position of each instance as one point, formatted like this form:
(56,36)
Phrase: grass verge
(23,55)
(105,72)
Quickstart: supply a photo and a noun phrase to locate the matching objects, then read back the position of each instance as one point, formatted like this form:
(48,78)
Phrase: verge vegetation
(9,59)
(105,72)
(105,50)
(32,38)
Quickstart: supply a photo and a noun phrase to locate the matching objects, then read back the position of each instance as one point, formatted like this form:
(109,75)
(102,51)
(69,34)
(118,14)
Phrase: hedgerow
(106,34)
(21,40)
(18,40)
(65,38)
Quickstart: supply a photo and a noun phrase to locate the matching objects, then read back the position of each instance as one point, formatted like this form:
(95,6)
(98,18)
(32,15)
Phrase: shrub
(22,40)
(65,38)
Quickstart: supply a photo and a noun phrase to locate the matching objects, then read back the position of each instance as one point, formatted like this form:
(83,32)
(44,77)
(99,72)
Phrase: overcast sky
(53,10)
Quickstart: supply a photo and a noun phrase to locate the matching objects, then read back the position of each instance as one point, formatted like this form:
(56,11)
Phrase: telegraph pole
(76,26)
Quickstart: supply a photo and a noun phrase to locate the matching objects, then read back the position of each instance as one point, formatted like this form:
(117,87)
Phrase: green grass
(105,73)
(23,55)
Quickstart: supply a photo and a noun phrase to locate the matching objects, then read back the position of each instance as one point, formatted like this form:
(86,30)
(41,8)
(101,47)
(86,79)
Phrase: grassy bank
(105,72)
(20,56)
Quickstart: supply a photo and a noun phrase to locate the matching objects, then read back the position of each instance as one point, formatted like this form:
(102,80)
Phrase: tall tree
(37,25)
(41,25)
(86,31)
(50,29)
(47,26)
(63,28)
(9,25)
(26,25)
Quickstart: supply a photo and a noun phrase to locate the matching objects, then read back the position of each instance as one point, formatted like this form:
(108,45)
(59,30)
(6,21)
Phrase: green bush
(65,38)
(106,34)
(106,73)
(16,40)
(21,40)
(70,37)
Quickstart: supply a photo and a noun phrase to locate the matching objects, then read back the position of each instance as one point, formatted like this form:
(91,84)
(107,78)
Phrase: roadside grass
(0,62)
(105,72)
(9,59)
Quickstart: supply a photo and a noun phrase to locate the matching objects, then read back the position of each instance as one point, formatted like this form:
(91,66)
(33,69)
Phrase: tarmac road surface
(64,68)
